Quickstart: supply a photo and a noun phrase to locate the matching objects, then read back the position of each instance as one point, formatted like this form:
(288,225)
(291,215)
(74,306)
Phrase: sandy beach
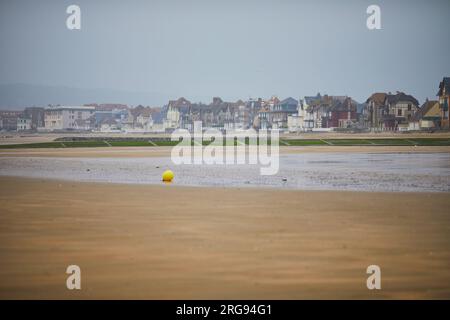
(146,152)
(161,242)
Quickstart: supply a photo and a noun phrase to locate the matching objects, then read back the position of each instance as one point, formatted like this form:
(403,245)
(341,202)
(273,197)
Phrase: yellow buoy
(167,175)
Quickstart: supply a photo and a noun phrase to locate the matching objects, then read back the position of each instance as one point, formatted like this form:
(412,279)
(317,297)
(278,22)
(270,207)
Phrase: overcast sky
(232,49)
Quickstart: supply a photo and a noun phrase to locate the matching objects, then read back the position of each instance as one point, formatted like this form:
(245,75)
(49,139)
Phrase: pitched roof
(400,96)
(347,105)
(180,103)
(378,98)
(339,98)
(136,111)
(424,109)
(158,115)
(145,113)
(289,100)
(273,100)
(217,101)
(445,83)
(310,99)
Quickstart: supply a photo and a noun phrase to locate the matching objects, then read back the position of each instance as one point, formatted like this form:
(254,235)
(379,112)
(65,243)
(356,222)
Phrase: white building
(172,120)
(69,117)
(110,125)
(296,121)
(23,124)
(175,109)
(144,121)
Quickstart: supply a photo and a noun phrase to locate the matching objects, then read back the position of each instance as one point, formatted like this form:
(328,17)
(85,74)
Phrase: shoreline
(160,242)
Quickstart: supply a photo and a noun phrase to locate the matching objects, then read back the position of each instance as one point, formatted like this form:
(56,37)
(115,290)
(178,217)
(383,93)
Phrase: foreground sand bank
(163,241)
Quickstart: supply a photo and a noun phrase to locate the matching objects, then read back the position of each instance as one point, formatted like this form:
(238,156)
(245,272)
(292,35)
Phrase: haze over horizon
(147,52)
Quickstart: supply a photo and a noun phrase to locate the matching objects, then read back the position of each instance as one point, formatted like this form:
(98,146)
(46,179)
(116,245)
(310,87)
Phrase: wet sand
(379,172)
(161,242)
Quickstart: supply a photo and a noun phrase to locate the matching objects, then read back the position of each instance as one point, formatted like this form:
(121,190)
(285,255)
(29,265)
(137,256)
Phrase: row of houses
(324,113)
(29,119)
(273,113)
(310,113)
(104,117)
(181,113)
(380,112)
(402,112)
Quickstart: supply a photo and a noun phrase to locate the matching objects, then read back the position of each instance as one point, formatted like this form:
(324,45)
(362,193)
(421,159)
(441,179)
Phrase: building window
(399,112)
(409,107)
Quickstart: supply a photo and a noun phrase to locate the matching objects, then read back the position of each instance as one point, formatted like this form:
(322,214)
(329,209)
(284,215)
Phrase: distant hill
(19,96)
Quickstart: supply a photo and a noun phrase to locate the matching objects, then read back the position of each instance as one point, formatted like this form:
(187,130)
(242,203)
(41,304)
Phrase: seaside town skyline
(381,111)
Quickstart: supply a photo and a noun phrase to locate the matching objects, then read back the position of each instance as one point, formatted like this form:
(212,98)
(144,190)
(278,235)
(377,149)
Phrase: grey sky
(232,49)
